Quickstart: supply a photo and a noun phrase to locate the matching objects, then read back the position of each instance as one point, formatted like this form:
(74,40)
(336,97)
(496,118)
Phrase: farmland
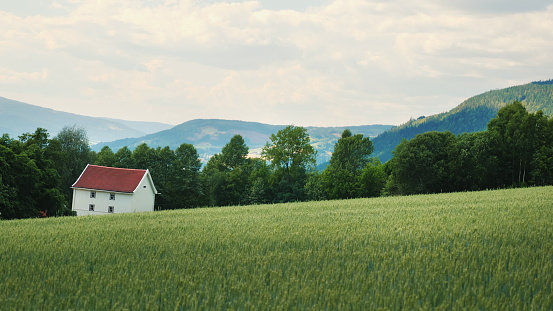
(475,250)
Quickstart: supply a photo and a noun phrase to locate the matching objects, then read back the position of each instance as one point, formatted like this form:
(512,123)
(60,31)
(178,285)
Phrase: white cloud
(319,63)
(11,76)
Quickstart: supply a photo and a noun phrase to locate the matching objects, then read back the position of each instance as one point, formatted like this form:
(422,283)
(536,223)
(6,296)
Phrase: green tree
(424,164)
(508,135)
(143,157)
(48,194)
(11,205)
(8,201)
(106,157)
(161,169)
(213,180)
(475,162)
(314,188)
(291,157)
(123,158)
(258,191)
(39,139)
(75,146)
(183,188)
(542,162)
(542,174)
(517,135)
(30,185)
(342,177)
(372,179)
(226,174)
(235,153)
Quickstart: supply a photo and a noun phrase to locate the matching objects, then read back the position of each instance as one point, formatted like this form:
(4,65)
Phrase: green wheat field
(490,250)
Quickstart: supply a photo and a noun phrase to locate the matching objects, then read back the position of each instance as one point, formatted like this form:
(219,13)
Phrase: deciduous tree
(424,164)
(226,175)
(342,177)
(75,146)
(29,184)
(183,188)
(105,157)
(291,156)
(517,136)
(123,158)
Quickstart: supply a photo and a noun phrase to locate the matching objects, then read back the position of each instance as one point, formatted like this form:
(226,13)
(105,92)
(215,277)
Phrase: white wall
(144,197)
(82,200)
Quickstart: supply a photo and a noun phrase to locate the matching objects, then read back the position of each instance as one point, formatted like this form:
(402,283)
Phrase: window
(92,194)
(110,209)
(91,207)
(112,196)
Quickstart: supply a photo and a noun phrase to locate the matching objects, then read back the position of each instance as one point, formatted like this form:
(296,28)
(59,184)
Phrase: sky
(300,62)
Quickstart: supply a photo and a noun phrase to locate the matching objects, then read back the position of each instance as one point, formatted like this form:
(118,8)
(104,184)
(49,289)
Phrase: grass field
(488,250)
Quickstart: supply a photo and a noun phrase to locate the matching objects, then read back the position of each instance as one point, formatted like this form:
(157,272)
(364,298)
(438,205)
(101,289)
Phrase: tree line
(515,150)
(36,171)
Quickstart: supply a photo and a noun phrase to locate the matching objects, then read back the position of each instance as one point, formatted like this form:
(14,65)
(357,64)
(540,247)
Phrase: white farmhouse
(103,190)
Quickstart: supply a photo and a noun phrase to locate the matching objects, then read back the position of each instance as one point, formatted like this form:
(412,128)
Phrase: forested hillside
(471,116)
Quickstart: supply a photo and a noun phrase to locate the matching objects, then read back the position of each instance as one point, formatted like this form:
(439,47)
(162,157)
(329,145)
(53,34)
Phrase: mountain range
(210,135)
(17,118)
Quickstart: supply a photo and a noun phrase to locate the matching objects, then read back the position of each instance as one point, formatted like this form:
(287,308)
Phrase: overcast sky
(301,62)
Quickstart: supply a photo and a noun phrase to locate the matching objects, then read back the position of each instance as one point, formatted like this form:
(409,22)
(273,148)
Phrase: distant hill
(472,115)
(209,136)
(17,118)
(143,126)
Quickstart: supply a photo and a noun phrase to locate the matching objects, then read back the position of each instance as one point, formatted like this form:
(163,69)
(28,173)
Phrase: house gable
(147,179)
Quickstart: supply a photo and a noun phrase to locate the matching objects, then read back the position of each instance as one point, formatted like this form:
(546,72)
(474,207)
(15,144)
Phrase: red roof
(110,178)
